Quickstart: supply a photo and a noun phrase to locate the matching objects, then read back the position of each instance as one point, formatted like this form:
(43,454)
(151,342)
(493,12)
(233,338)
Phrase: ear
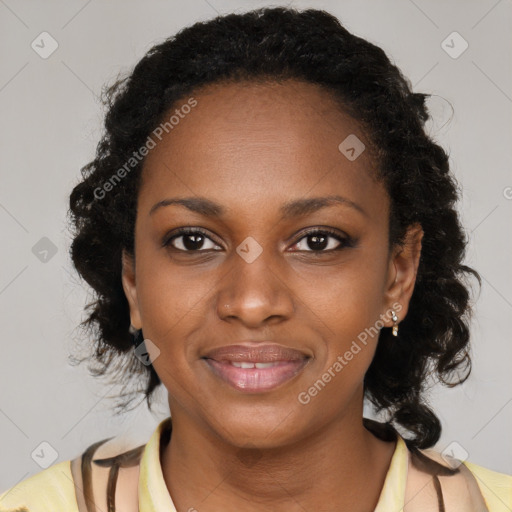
(130,289)
(402,271)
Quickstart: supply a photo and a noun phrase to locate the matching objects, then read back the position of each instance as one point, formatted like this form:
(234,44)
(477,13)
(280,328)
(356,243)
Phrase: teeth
(253,365)
(265,365)
(242,364)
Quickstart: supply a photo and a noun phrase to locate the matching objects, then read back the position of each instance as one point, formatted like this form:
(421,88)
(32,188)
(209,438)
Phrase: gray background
(51,122)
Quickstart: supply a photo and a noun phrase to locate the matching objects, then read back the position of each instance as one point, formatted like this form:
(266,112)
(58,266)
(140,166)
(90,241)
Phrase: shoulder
(494,487)
(71,484)
(43,492)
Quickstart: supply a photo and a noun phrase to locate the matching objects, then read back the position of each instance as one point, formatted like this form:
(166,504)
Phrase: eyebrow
(296,208)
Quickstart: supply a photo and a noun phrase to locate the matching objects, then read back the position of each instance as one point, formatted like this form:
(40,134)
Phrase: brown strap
(428,465)
(434,468)
(87,474)
(123,460)
(111,487)
(473,495)
(439,491)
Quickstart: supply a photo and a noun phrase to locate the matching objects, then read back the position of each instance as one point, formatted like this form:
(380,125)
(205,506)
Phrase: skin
(252,147)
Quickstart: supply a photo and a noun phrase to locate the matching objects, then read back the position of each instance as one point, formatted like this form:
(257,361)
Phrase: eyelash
(344,241)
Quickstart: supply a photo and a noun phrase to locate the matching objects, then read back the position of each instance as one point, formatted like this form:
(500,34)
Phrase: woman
(266,208)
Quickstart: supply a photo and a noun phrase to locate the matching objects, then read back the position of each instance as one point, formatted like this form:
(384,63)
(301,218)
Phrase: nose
(255,292)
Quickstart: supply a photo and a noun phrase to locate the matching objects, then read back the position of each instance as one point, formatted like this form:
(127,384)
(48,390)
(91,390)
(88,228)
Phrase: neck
(342,465)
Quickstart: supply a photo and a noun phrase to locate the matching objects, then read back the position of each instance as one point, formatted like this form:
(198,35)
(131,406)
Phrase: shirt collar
(392,495)
(154,495)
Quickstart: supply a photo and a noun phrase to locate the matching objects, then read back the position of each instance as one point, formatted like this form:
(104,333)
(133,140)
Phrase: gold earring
(395,323)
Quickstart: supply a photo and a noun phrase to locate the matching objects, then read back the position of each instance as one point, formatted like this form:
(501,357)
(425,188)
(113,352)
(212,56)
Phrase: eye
(192,240)
(195,239)
(319,241)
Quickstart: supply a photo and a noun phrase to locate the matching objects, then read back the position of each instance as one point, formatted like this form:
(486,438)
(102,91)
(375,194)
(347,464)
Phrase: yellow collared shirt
(406,488)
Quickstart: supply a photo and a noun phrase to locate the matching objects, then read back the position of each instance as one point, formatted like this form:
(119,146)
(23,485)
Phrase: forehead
(244,142)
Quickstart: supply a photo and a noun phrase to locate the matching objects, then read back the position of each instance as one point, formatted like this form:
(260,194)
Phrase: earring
(395,323)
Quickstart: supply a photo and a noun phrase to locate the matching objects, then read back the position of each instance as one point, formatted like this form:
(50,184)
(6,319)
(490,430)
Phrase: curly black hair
(274,44)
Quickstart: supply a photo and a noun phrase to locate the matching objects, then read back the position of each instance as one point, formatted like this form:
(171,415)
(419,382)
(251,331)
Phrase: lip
(287,363)
(256,380)
(255,353)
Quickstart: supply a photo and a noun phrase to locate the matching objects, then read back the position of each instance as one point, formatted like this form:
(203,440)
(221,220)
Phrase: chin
(267,429)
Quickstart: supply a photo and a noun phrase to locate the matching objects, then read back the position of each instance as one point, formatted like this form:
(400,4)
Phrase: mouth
(255,368)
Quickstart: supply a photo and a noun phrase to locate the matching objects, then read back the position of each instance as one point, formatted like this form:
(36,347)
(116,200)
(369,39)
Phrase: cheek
(348,298)
(345,315)
(345,311)
(171,298)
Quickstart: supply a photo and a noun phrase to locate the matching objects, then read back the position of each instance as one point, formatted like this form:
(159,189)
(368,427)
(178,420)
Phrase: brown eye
(190,240)
(322,241)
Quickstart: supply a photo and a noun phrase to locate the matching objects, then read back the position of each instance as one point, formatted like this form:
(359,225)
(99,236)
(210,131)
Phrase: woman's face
(259,275)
